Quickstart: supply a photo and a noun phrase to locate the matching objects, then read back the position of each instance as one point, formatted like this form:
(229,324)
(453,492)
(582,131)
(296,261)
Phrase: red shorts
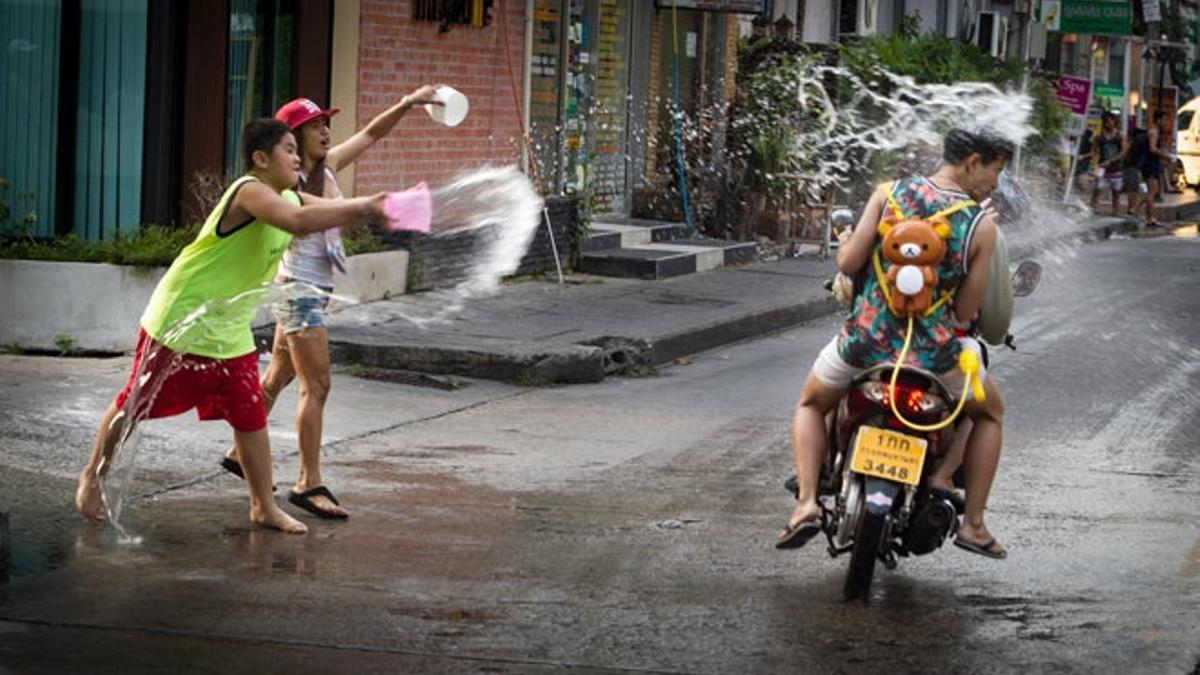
(163,383)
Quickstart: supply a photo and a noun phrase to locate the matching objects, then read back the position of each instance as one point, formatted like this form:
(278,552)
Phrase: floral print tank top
(871,334)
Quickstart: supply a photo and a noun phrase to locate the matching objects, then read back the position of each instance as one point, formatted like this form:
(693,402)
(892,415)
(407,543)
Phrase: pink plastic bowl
(410,210)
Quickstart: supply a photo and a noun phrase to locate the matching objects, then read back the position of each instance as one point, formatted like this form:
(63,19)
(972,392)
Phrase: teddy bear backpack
(915,246)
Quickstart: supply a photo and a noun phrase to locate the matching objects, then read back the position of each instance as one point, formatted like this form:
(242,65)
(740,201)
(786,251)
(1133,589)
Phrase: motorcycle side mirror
(1026,278)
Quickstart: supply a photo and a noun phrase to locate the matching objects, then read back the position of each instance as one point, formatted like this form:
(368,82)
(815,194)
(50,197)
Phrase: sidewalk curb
(702,338)
(511,362)
(592,359)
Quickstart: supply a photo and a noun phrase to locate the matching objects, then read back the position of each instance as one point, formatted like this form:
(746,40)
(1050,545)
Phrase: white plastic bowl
(453,109)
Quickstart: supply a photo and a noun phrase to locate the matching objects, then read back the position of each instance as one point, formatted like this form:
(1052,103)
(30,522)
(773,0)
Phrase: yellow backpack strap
(964,204)
(881,278)
(888,191)
(943,298)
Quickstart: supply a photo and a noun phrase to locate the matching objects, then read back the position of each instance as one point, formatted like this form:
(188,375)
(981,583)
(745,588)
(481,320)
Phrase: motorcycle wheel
(867,540)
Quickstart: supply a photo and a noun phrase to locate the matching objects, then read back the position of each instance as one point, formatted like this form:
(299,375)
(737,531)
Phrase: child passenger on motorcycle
(872,335)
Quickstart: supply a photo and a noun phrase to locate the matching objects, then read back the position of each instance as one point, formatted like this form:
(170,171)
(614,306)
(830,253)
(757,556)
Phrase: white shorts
(835,373)
(1112,182)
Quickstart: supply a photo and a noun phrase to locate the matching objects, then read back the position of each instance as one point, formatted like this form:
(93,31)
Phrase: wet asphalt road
(627,526)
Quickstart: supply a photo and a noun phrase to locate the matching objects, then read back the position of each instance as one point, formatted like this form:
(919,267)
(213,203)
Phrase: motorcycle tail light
(910,400)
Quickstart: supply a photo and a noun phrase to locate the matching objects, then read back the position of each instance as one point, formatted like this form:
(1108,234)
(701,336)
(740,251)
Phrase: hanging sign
(1093,17)
(738,6)
(1151,11)
(1074,93)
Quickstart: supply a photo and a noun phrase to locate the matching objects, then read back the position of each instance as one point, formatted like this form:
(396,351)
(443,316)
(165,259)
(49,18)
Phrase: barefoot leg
(89,500)
(254,450)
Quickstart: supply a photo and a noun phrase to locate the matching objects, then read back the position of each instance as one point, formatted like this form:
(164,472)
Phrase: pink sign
(1074,93)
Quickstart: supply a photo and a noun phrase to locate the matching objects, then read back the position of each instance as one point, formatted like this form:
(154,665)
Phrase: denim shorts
(297,314)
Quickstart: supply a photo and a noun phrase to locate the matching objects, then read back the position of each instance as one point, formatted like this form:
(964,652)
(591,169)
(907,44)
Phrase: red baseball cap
(296,112)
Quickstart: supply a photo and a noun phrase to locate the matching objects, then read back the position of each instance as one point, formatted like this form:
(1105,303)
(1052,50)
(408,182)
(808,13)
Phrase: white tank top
(311,258)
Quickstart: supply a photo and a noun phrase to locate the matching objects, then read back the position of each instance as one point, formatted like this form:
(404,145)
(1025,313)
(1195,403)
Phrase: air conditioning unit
(991,33)
(858,18)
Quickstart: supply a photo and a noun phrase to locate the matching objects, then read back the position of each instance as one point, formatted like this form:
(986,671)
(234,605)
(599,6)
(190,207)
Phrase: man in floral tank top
(972,162)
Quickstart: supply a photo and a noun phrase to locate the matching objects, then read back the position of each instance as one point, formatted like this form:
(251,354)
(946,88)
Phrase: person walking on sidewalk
(1108,152)
(195,348)
(1152,157)
(301,344)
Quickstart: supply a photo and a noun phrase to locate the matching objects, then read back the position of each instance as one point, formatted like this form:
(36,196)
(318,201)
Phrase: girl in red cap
(301,346)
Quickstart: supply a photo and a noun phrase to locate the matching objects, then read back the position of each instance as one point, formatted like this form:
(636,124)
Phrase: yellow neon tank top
(206,300)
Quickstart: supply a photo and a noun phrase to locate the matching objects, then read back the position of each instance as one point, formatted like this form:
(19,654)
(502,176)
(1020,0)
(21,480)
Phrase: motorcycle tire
(867,540)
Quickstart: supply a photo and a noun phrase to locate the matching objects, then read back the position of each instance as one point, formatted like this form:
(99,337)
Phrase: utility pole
(1026,25)
(1152,13)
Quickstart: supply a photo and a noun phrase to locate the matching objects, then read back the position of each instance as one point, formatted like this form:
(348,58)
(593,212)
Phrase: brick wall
(438,262)
(397,54)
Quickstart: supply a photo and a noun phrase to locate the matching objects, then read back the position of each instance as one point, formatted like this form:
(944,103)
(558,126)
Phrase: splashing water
(196,330)
(497,209)
(494,213)
(892,112)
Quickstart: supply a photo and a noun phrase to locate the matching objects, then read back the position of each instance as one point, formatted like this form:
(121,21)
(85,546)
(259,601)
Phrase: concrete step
(650,249)
(667,259)
(631,232)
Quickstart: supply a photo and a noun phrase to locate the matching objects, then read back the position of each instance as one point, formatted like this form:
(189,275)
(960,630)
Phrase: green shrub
(362,239)
(149,246)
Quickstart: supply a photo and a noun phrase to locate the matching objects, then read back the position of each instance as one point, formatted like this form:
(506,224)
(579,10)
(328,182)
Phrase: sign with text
(1094,17)
(1073,93)
(737,6)
(1151,11)
(1108,91)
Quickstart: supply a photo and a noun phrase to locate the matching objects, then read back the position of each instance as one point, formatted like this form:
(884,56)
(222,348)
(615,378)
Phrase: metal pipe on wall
(527,80)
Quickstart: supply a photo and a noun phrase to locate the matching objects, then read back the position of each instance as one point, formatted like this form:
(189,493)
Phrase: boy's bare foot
(89,500)
(274,517)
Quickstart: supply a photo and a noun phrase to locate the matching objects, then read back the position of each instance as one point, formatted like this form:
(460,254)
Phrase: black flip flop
(799,534)
(232,466)
(984,549)
(304,501)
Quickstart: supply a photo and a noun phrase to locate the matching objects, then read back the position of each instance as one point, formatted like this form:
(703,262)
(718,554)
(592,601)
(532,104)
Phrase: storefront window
(545,125)
(608,175)
(580,81)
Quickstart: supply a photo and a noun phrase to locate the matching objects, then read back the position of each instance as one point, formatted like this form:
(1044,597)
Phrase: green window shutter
(111,117)
(29,64)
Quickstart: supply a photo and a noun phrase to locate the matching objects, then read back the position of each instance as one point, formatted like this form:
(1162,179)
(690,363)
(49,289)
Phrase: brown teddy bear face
(913,242)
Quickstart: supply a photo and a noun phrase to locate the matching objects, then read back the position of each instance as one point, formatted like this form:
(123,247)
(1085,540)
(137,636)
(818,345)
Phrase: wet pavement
(627,525)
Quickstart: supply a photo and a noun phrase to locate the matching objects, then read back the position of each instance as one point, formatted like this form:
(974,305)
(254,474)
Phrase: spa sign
(1073,93)
(1094,17)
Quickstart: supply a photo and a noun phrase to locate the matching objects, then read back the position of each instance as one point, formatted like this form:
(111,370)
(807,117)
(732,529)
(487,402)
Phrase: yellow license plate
(887,454)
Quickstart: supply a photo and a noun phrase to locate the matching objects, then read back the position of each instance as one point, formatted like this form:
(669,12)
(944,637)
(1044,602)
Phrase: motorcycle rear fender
(881,495)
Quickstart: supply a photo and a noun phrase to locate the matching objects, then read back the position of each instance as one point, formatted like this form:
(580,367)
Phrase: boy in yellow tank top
(195,347)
